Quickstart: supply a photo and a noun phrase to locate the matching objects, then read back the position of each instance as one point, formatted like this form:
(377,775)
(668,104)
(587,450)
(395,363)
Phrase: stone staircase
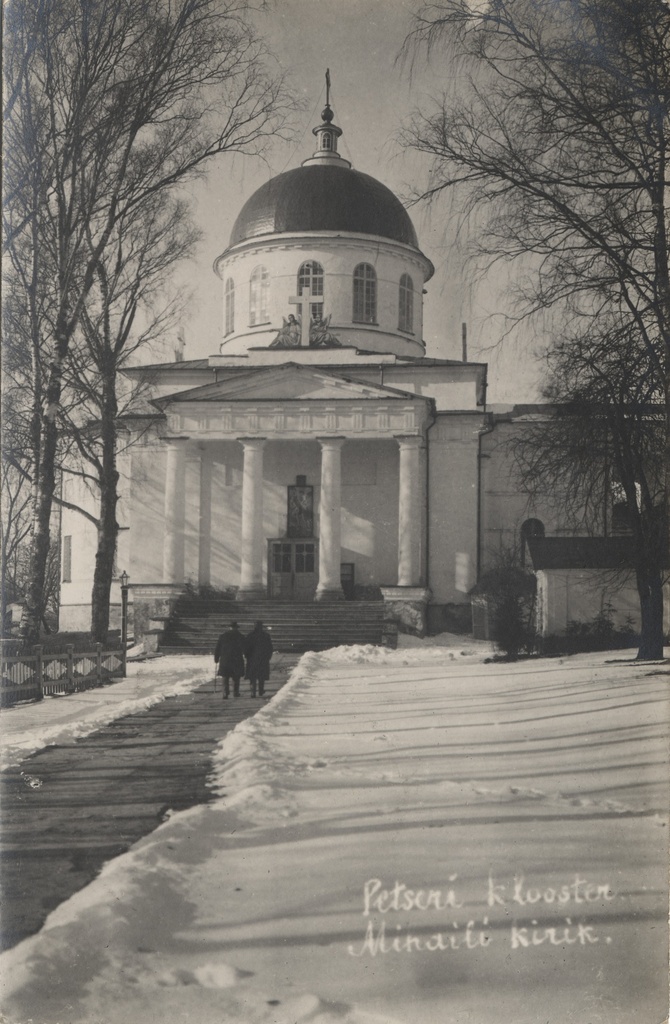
(196,624)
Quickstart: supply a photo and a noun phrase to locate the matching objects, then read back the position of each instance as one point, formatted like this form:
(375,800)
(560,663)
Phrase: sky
(372,94)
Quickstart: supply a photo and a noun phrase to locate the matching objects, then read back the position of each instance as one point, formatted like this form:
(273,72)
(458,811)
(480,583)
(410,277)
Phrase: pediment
(284,383)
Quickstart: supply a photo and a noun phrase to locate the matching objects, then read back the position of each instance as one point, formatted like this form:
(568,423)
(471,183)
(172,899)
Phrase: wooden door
(292,569)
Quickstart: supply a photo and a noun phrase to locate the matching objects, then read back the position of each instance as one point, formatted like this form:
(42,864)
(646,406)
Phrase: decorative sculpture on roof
(288,335)
(320,336)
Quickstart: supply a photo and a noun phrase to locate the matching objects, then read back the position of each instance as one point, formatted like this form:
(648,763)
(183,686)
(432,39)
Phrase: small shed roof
(581,552)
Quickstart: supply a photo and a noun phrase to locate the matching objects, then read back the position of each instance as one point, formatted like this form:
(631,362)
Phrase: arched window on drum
(259,287)
(310,275)
(530,528)
(229,292)
(406,304)
(365,294)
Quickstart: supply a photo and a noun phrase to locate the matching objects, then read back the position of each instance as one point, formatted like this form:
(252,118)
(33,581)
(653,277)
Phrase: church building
(319,454)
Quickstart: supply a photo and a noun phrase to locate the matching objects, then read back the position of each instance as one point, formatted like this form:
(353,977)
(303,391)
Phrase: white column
(330,508)
(175,511)
(205,524)
(410,506)
(251,573)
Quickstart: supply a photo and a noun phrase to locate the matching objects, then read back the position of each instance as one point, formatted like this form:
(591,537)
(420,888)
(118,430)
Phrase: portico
(336,418)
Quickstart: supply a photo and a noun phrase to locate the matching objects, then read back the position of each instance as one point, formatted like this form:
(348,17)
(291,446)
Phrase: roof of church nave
(324,194)
(212,391)
(401,362)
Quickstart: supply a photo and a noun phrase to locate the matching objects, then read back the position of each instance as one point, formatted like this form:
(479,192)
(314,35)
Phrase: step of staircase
(196,625)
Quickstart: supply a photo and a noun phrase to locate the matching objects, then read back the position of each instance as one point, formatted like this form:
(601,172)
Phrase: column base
(336,594)
(251,594)
(152,605)
(407,607)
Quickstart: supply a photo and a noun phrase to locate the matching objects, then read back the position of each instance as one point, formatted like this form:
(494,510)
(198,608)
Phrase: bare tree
(14,529)
(130,305)
(113,102)
(558,136)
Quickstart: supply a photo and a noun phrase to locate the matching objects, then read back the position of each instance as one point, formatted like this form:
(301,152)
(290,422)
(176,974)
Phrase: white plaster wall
(74,618)
(75,606)
(282,462)
(226,514)
(192,515)
(452,517)
(505,505)
(566,595)
(147,490)
(448,397)
(75,597)
(147,522)
(370,510)
(283,255)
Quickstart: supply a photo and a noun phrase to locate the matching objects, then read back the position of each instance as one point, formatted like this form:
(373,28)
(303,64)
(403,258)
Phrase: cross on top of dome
(327,134)
(327,113)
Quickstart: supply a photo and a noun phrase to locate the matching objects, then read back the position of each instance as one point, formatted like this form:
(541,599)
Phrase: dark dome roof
(324,198)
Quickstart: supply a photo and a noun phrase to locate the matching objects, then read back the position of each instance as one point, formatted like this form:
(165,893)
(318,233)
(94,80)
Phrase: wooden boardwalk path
(68,809)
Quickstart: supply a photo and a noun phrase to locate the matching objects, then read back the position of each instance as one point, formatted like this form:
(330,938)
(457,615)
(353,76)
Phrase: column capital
(331,442)
(251,441)
(410,440)
(177,442)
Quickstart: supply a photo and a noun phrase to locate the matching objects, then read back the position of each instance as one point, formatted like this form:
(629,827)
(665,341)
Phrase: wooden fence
(33,676)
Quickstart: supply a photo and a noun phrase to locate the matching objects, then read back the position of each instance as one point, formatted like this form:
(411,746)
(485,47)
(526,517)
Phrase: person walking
(229,656)
(258,650)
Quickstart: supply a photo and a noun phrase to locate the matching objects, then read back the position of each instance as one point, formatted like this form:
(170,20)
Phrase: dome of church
(337,235)
(324,197)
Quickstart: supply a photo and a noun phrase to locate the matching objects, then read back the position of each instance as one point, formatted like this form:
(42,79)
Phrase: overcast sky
(371,95)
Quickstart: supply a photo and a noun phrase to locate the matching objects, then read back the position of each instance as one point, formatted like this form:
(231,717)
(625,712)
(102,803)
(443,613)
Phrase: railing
(33,676)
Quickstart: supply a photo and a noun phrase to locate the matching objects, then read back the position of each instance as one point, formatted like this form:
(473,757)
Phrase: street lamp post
(124,608)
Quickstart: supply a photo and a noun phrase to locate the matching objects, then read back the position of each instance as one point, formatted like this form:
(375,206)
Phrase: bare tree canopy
(556,123)
(109,104)
(554,126)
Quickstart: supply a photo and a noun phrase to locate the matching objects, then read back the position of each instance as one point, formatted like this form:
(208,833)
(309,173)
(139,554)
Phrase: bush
(510,631)
(600,634)
(510,591)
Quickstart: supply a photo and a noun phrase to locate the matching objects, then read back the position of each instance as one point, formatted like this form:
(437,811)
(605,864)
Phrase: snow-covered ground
(408,836)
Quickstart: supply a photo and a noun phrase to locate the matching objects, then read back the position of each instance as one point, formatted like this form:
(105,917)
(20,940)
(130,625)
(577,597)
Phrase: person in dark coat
(229,656)
(258,649)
